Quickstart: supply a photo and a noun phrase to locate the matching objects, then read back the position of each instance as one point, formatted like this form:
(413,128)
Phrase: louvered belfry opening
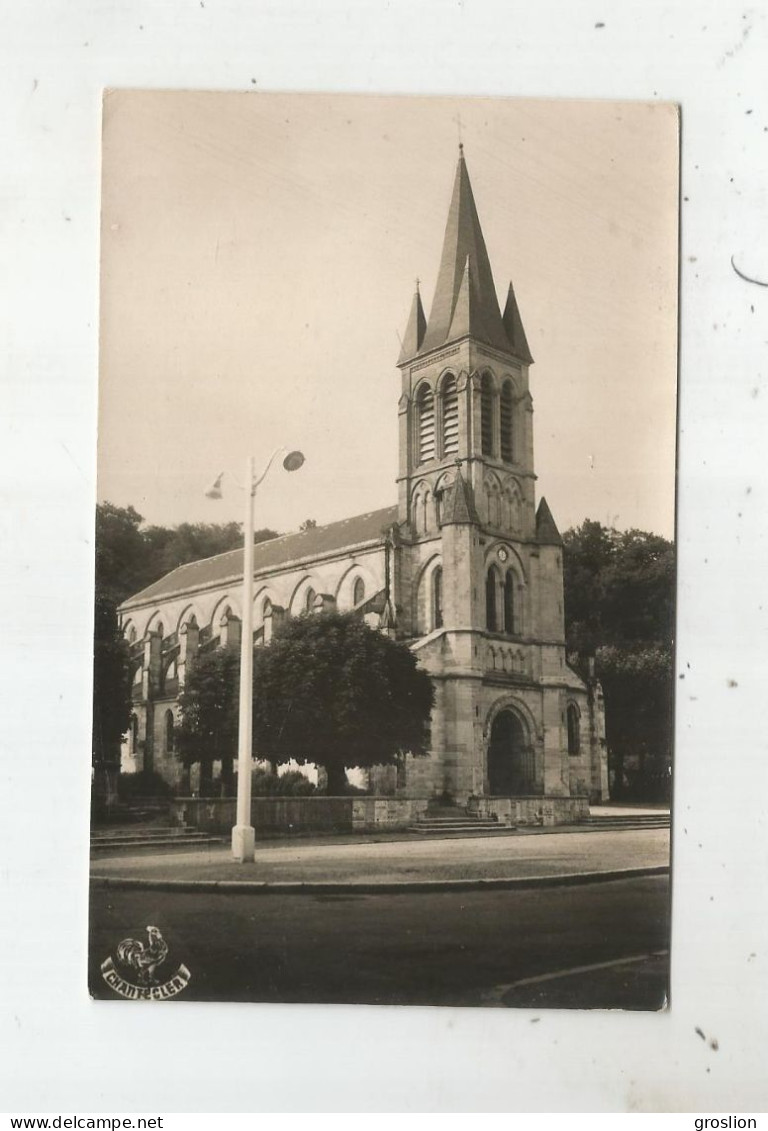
(506,419)
(426,409)
(486,415)
(450,417)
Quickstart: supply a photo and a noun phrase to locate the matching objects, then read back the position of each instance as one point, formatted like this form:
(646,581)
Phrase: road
(474,858)
(444,948)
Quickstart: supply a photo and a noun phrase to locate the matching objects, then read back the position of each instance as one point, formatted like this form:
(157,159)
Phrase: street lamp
(243,834)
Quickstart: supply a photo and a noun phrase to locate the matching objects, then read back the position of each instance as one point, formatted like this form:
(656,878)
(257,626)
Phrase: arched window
(486,414)
(425,503)
(450,406)
(425,407)
(574,738)
(358,592)
(509,603)
(437,597)
(159,630)
(491,587)
(309,600)
(422,501)
(494,505)
(511,516)
(132,634)
(169,732)
(507,422)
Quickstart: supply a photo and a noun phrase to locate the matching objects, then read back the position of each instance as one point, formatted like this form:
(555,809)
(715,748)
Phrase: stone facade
(465,569)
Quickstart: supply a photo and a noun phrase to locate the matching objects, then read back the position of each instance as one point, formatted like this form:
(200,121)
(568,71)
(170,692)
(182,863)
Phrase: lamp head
(293,461)
(214,491)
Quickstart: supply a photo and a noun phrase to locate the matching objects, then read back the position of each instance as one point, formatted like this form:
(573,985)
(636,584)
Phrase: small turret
(415,330)
(459,506)
(547,533)
(513,324)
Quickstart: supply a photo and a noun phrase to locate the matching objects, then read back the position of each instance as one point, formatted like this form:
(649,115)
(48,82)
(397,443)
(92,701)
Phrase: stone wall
(299,814)
(543,811)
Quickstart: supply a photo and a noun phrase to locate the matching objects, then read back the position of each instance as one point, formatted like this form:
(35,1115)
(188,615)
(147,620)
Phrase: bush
(144,783)
(295,784)
(292,784)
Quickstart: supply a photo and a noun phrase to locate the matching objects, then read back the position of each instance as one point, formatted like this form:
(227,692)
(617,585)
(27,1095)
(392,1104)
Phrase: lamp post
(243,833)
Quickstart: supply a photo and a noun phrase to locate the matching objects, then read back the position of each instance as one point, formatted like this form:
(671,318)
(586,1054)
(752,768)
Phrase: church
(464,568)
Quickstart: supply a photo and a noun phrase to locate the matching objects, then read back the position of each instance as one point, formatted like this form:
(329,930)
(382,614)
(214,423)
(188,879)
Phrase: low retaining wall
(542,811)
(300,814)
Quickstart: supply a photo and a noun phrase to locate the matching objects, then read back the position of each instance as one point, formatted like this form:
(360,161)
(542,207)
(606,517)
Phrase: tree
(111,697)
(331,691)
(587,553)
(128,558)
(119,552)
(121,557)
(208,722)
(619,588)
(170,547)
(619,610)
(637,685)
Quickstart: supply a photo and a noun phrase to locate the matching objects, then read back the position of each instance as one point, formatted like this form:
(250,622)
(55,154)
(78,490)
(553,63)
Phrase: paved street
(471,858)
(451,948)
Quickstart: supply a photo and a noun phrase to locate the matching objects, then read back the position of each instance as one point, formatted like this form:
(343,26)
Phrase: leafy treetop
(332,691)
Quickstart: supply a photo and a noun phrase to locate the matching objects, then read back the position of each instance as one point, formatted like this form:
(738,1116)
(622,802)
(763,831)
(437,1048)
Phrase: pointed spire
(462,312)
(464,241)
(459,507)
(547,533)
(513,324)
(414,333)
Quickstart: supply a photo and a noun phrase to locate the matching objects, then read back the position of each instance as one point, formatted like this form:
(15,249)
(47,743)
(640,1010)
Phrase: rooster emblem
(144,957)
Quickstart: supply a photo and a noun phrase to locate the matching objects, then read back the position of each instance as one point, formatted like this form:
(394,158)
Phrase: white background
(63,1052)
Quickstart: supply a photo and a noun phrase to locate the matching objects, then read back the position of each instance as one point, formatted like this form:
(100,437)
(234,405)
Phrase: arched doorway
(510,757)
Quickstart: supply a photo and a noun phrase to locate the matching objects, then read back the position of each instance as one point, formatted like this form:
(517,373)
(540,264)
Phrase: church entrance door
(510,757)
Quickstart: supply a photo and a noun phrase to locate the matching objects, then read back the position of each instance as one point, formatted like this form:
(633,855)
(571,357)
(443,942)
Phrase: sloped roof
(464,240)
(306,544)
(414,332)
(459,507)
(513,324)
(547,533)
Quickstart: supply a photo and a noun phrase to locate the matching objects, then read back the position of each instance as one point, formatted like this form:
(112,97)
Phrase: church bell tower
(465,393)
(481,572)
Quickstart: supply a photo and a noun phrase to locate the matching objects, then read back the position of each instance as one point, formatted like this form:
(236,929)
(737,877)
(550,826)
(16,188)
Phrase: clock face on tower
(502,554)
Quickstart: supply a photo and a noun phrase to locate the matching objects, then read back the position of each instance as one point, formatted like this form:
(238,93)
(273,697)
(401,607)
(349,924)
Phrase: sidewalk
(469,862)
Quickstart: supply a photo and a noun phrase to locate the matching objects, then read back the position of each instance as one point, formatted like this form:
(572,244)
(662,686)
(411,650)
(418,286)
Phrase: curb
(298,887)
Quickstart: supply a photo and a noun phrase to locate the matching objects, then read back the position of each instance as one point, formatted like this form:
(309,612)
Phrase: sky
(259,254)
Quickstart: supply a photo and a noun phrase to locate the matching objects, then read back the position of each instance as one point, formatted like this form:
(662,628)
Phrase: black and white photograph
(385,563)
(382,563)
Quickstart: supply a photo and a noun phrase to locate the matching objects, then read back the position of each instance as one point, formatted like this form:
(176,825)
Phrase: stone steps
(151,838)
(441,822)
(457,822)
(463,830)
(630,822)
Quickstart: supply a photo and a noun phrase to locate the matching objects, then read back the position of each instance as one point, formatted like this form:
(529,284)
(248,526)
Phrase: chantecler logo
(142,959)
